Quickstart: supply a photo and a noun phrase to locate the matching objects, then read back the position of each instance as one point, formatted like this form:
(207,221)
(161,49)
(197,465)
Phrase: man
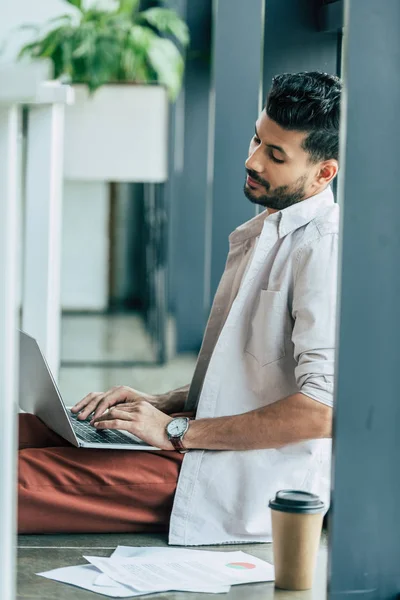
(263,384)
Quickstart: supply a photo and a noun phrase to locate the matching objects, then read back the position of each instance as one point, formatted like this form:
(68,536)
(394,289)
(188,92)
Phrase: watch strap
(177,444)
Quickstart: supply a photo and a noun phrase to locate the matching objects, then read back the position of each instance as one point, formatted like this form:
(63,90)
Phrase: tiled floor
(41,553)
(107,337)
(76,382)
(116,338)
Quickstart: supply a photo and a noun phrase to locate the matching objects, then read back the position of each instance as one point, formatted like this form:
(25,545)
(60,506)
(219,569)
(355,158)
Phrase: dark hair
(308,102)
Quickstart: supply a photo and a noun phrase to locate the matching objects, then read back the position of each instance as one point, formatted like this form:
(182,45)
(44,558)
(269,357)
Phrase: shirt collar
(302,213)
(288,219)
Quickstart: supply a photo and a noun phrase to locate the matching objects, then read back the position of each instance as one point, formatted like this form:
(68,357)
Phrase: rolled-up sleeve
(314,314)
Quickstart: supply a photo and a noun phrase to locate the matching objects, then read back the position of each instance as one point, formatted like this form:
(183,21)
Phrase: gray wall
(293,41)
(365,533)
(237,59)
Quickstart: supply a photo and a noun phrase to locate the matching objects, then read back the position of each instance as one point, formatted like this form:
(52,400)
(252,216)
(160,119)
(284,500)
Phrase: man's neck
(271,211)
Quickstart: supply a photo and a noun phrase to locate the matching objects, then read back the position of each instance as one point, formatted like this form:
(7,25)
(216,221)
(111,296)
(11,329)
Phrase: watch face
(177,427)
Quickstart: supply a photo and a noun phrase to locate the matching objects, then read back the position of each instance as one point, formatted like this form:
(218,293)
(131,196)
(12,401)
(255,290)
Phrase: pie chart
(241,565)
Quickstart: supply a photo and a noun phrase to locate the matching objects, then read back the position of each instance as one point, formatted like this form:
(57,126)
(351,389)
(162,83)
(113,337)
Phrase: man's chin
(254,197)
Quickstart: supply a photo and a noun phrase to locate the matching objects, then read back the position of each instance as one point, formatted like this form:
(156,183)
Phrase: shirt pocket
(266,340)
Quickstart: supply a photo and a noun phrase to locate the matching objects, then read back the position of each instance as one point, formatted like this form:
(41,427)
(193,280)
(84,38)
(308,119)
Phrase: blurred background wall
(84,262)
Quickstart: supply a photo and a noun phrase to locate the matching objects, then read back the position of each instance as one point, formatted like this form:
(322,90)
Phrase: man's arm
(173,401)
(308,413)
(295,419)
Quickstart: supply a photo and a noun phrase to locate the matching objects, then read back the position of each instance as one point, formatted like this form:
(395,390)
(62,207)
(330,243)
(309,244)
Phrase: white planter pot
(118,134)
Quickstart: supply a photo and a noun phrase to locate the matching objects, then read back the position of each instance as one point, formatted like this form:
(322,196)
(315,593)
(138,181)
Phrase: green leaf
(50,42)
(29,50)
(129,65)
(84,43)
(77,3)
(128,7)
(141,37)
(168,64)
(29,27)
(60,19)
(168,22)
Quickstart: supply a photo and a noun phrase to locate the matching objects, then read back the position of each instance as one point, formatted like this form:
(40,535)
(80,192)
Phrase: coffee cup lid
(296,501)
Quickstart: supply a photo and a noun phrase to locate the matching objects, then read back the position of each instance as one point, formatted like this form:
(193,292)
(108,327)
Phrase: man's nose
(254,162)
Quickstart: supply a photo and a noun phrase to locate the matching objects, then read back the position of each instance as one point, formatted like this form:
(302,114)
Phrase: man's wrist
(171,402)
(210,433)
(162,402)
(192,438)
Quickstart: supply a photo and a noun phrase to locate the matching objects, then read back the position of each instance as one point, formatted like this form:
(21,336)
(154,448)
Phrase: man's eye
(276,160)
(257,139)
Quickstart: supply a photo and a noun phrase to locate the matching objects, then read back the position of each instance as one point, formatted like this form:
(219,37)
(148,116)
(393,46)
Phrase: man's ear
(327,171)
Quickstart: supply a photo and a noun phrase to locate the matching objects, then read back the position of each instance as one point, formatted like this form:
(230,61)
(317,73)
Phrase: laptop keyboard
(86,432)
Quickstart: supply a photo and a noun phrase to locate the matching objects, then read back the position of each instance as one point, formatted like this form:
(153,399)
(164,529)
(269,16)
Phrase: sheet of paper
(148,576)
(84,576)
(178,573)
(158,551)
(103,580)
(261,568)
(141,551)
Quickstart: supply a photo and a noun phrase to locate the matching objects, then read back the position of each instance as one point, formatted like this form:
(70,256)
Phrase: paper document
(158,573)
(84,576)
(140,551)
(152,551)
(167,551)
(134,571)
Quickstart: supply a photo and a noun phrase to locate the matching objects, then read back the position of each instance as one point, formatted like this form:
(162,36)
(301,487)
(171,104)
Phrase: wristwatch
(176,429)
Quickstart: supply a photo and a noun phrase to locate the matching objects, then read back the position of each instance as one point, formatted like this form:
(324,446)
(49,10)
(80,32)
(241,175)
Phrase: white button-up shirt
(271,334)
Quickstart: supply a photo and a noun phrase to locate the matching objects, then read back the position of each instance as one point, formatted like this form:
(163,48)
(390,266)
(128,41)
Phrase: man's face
(279,172)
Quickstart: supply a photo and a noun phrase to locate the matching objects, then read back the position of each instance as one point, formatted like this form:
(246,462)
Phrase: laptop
(39,395)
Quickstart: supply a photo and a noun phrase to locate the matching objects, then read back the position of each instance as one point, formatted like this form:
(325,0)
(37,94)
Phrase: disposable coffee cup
(296,530)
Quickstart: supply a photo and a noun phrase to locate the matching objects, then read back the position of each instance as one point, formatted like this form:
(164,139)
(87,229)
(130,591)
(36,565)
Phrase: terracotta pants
(66,489)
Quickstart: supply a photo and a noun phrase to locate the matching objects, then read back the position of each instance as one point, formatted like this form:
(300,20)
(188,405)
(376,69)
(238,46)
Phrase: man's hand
(140,418)
(98,402)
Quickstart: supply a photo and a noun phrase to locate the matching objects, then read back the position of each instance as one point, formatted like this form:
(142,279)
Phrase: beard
(282,197)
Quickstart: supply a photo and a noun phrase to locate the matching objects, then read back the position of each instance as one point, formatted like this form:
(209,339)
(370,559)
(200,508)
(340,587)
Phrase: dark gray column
(175,167)
(190,262)
(237,58)
(331,16)
(294,42)
(365,538)
(189,202)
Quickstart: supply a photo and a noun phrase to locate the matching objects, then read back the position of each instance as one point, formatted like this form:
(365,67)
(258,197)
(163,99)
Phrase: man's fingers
(126,407)
(114,424)
(102,406)
(97,403)
(113,414)
(82,403)
(85,412)
(111,398)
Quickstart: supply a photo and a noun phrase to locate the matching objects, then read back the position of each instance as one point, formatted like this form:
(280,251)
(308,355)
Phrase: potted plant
(115,131)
